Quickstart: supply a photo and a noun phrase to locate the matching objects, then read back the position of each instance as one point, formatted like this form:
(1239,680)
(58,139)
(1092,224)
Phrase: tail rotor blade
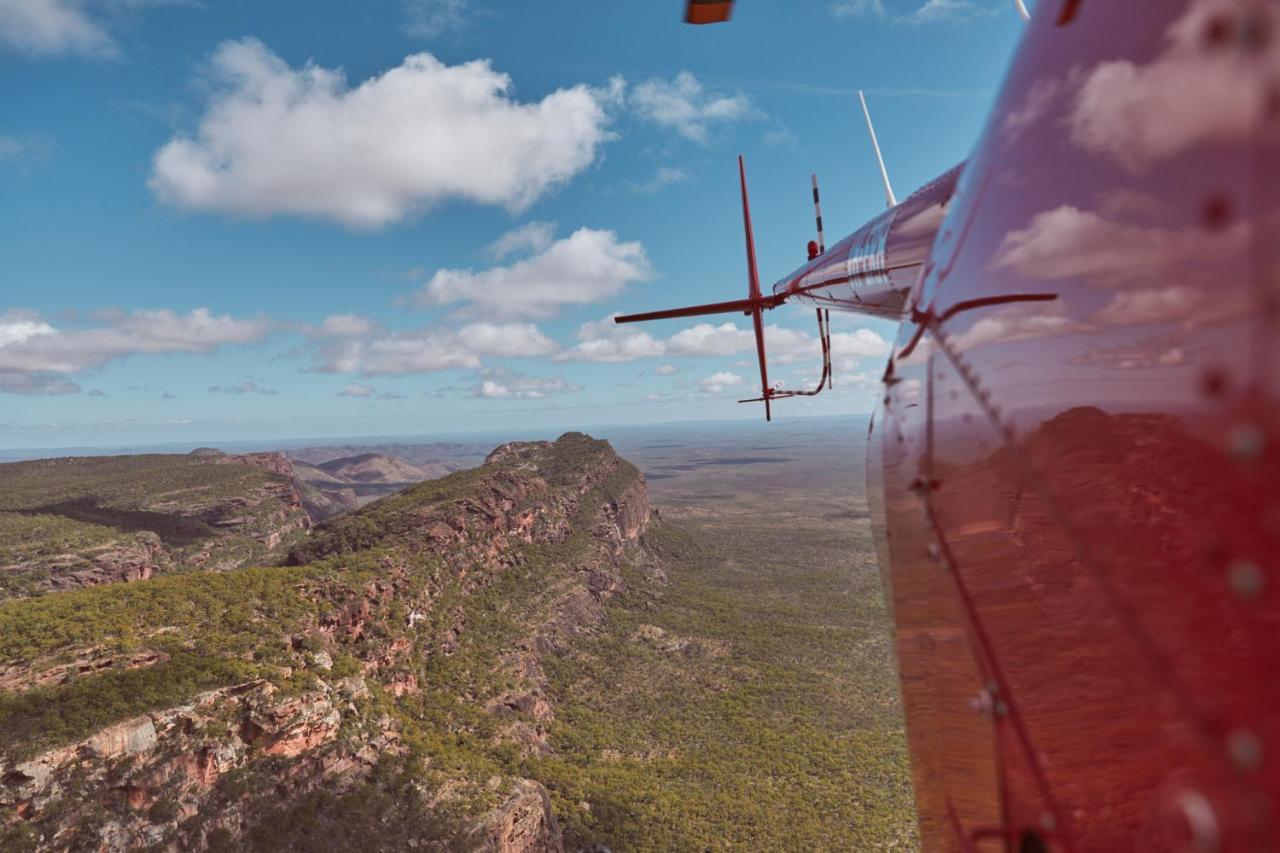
(757,320)
(753,275)
(753,289)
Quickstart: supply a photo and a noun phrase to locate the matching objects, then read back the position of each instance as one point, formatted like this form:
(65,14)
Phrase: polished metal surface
(1080,447)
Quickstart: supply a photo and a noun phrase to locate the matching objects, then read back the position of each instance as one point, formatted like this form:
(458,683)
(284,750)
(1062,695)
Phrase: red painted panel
(1116,505)
(953,749)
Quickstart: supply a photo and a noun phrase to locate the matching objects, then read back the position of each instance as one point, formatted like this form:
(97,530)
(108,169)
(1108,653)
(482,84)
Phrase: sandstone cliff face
(420,622)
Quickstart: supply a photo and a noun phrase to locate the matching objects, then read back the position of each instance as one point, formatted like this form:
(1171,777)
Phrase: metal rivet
(934,553)
(1218,30)
(983,703)
(1215,382)
(1247,579)
(1247,442)
(1245,749)
(1217,212)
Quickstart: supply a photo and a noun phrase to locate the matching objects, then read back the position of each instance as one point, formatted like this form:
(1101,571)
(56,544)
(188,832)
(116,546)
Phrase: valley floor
(753,704)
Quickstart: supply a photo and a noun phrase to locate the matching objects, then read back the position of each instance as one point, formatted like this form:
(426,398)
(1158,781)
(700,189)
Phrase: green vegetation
(749,702)
(59,516)
(392,516)
(775,728)
(218,629)
(128,482)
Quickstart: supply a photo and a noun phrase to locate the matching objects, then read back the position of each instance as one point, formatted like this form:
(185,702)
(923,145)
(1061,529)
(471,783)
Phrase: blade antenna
(1022,10)
(753,288)
(817,216)
(884,174)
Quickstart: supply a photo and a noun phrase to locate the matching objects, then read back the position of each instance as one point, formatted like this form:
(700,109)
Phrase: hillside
(373,468)
(338,485)
(72,522)
(433,459)
(386,690)
(519,657)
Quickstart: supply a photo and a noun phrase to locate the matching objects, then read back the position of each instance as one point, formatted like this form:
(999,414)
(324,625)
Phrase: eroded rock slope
(379,693)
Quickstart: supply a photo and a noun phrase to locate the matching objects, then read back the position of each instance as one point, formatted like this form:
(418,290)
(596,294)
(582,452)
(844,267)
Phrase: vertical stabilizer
(889,197)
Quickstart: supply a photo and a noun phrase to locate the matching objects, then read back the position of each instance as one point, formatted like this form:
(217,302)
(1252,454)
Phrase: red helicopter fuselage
(1074,467)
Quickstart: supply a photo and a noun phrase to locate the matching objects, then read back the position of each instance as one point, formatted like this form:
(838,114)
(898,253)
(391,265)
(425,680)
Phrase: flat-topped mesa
(74,522)
(240,698)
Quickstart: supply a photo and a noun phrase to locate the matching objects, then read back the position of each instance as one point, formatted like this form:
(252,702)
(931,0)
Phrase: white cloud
(683,105)
(503,384)
(430,18)
(278,140)
(36,384)
(530,237)
(247,386)
(666,370)
(705,339)
(606,341)
(1151,305)
(613,345)
(358,389)
(1016,322)
(1140,114)
(928,12)
(33,352)
(858,8)
(934,11)
(346,326)
(587,266)
(717,382)
(1067,242)
(52,27)
(1155,353)
(514,340)
(431,349)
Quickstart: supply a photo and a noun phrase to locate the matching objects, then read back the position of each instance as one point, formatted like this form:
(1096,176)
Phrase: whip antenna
(1022,10)
(884,174)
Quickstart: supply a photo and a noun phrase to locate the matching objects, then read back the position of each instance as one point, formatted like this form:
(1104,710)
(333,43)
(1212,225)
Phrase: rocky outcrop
(152,771)
(566,516)
(522,824)
(133,560)
(268,513)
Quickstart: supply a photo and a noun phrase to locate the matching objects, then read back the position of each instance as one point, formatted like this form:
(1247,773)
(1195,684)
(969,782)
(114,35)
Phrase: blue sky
(241,220)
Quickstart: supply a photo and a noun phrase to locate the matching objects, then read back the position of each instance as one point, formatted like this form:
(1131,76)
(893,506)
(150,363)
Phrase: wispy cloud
(665,176)
(247,386)
(36,356)
(431,18)
(684,104)
(900,12)
(358,389)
